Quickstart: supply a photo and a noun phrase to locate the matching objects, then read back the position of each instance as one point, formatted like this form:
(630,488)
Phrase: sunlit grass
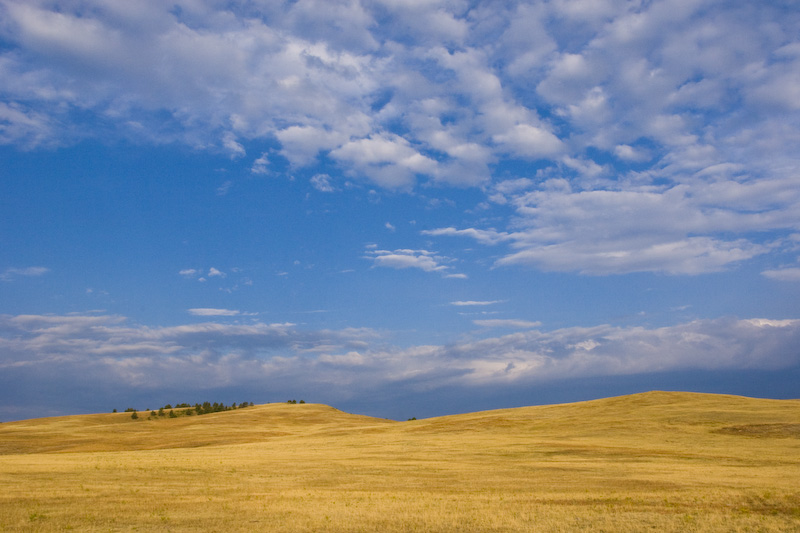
(650,462)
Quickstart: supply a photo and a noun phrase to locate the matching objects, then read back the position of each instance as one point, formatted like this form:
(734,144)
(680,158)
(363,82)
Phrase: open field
(659,461)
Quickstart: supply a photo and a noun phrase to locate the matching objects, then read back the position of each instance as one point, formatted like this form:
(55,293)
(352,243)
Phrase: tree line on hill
(185,409)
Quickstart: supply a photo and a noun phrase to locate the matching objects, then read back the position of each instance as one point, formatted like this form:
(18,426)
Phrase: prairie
(658,461)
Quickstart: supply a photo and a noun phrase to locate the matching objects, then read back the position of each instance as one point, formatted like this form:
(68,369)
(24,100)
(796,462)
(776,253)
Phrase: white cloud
(322,182)
(401,259)
(529,141)
(386,159)
(207,311)
(670,230)
(234,148)
(260,165)
(463,303)
(482,236)
(694,255)
(629,153)
(213,272)
(301,144)
(783,274)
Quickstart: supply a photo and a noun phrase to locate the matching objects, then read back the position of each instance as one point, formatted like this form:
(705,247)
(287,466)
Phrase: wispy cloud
(783,274)
(223,189)
(207,311)
(483,236)
(592,231)
(511,323)
(10,274)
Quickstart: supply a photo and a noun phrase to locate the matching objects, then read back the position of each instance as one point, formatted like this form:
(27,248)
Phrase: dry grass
(648,462)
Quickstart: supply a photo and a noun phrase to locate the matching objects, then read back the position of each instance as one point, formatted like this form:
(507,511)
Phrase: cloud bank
(87,350)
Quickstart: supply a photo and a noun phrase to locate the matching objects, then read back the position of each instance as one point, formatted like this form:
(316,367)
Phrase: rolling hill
(637,417)
(666,461)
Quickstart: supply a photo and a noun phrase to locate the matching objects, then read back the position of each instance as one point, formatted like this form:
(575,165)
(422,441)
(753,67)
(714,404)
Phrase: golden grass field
(658,461)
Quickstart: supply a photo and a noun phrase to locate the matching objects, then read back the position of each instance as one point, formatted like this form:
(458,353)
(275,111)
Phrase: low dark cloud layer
(85,353)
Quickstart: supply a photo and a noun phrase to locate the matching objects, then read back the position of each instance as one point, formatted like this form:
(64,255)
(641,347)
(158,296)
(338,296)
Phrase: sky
(401,208)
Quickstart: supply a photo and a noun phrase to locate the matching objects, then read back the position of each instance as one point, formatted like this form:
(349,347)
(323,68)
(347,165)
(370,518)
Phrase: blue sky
(400,208)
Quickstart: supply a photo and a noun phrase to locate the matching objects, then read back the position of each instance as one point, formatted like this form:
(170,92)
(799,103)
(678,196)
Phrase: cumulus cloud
(529,141)
(403,258)
(629,153)
(676,138)
(213,272)
(322,183)
(260,165)
(387,159)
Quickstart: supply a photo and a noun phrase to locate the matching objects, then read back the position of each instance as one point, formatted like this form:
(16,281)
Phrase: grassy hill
(118,432)
(661,461)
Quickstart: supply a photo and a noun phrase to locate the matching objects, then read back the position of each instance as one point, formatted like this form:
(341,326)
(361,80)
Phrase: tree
(134,416)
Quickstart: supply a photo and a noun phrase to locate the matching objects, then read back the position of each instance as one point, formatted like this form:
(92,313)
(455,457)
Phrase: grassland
(659,461)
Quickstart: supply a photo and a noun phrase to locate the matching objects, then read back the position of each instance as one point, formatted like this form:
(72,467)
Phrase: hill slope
(634,418)
(659,461)
(118,432)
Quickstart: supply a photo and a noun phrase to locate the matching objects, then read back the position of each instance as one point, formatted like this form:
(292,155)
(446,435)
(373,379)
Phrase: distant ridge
(681,414)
